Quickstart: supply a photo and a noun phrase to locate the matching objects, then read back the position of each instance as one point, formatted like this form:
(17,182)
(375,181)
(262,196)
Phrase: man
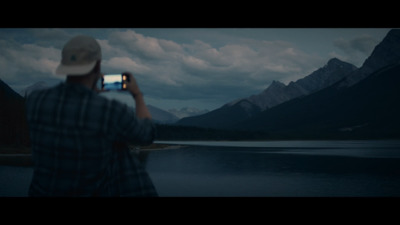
(79,138)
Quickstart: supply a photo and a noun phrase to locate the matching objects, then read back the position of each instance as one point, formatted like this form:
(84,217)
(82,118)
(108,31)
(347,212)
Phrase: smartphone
(114,82)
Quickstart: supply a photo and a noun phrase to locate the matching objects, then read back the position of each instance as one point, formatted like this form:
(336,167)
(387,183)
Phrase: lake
(261,169)
(278,169)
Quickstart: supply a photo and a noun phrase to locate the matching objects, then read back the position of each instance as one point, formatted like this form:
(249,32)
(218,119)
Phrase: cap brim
(75,70)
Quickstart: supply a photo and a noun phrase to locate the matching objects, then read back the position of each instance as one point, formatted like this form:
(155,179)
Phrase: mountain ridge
(223,115)
(369,109)
(277,93)
(387,52)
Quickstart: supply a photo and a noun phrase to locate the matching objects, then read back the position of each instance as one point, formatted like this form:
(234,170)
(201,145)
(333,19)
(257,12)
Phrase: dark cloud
(51,37)
(362,44)
(197,68)
(27,63)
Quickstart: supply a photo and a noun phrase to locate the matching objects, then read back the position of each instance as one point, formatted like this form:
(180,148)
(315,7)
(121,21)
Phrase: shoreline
(155,147)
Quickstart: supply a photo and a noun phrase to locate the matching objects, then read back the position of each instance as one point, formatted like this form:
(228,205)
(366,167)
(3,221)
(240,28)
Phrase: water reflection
(244,171)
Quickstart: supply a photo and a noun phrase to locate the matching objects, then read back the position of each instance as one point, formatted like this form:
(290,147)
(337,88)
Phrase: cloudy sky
(202,68)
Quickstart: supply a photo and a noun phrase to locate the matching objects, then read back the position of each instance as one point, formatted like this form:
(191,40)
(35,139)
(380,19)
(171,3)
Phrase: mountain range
(187,111)
(173,115)
(278,92)
(337,100)
(274,95)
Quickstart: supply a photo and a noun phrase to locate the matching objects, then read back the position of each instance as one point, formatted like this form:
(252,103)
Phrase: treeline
(186,133)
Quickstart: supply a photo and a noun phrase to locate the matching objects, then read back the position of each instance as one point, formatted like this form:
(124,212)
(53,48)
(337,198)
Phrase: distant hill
(223,116)
(36,86)
(7,93)
(187,111)
(172,115)
(161,116)
(13,125)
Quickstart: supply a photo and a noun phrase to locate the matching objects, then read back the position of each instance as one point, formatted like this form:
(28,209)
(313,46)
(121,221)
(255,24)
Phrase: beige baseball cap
(79,56)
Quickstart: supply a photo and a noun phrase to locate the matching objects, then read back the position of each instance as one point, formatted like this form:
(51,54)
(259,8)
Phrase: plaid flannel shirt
(74,132)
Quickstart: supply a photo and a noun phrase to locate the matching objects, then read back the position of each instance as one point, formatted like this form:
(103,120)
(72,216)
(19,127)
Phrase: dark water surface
(279,169)
(262,169)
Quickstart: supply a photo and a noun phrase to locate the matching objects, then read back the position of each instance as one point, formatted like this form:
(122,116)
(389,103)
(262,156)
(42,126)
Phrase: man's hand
(131,85)
(142,111)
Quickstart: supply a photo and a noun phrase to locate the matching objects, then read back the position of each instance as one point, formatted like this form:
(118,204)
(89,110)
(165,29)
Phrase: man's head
(81,57)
